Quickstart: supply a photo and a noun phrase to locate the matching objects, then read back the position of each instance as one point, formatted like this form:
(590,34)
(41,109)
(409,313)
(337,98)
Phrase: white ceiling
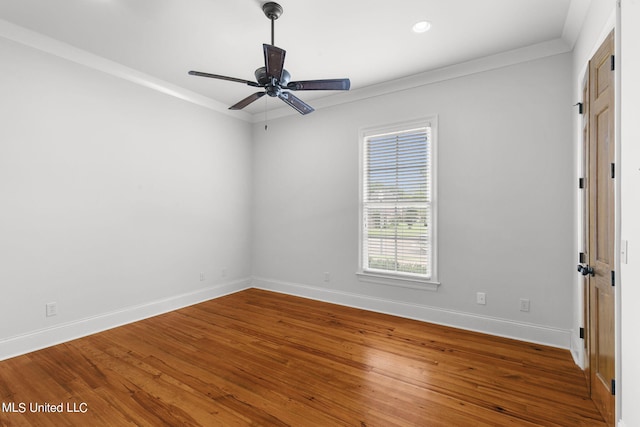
(368,41)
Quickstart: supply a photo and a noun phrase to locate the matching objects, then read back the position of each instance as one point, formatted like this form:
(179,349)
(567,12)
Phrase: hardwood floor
(261,358)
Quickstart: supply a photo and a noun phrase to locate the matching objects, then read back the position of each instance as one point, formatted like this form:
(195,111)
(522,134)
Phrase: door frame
(583,215)
(581,351)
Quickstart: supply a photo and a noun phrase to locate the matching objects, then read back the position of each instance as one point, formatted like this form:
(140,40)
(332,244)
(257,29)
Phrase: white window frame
(393,278)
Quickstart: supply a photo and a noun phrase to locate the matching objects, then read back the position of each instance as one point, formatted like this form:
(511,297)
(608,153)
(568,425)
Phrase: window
(397,202)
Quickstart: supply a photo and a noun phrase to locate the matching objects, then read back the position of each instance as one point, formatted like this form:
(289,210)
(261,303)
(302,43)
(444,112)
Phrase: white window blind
(397,203)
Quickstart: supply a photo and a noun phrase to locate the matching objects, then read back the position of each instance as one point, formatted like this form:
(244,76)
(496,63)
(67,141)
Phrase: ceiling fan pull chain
(266,126)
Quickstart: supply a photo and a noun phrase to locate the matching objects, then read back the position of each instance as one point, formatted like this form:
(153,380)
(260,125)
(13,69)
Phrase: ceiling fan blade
(248,100)
(329,84)
(296,103)
(274,60)
(217,76)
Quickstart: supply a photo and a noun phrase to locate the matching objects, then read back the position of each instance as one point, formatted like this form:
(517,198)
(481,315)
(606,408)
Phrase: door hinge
(581,333)
(580,106)
(613,386)
(613,170)
(613,62)
(581,183)
(582,258)
(613,278)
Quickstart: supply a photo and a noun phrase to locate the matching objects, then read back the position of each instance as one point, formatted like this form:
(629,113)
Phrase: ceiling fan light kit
(273,78)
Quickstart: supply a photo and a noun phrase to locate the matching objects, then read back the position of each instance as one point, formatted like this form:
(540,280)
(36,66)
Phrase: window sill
(405,282)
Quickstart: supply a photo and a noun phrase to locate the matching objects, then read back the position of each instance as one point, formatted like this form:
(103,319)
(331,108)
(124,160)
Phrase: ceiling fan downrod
(272,10)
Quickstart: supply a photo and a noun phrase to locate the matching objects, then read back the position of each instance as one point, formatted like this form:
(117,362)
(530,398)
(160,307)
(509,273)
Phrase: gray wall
(506,224)
(114,198)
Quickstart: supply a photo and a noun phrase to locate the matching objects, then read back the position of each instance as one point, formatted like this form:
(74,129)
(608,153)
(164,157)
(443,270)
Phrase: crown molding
(66,51)
(55,47)
(538,51)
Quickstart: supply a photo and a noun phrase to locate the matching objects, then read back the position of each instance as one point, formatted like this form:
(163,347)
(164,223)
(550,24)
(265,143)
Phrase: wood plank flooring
(266,359)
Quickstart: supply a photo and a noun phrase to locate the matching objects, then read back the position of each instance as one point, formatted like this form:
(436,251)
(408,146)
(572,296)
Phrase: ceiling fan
(274,78)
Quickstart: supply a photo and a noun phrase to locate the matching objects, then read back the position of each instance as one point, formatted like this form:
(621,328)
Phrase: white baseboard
(37,340)
(538,334)
(22,344)
(577,350)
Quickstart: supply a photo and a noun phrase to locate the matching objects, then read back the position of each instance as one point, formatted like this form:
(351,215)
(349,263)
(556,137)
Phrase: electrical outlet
(524,304)
(327,276)
(481,298)
(201,276)
(224,272)
(52,309)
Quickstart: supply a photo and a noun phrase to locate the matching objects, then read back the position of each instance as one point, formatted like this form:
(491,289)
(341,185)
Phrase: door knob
(586,270)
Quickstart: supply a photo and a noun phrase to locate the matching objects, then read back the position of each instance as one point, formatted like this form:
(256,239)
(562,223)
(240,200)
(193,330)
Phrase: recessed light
(421,27)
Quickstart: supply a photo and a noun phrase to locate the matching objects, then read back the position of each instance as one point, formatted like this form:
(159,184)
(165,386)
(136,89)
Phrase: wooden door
(600,194)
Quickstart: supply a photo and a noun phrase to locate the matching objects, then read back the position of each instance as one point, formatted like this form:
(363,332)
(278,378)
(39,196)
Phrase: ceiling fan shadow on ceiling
(273,78)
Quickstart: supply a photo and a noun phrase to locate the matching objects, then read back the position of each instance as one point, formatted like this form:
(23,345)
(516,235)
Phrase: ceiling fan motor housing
(272,87)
